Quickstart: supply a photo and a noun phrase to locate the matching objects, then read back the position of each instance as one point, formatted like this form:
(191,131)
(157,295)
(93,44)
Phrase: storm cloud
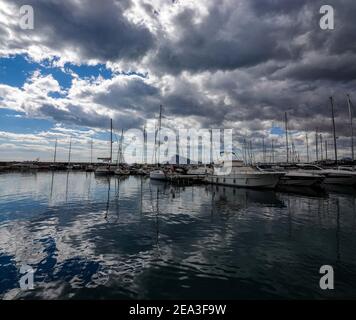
(240,64)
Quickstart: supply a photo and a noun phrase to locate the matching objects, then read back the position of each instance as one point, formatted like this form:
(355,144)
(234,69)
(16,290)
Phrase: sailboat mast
(334,130)
(316,145)
(307,139)
(55,152)
(211,146)
(159,133)
(155,146)
(144,155)
(110,140)
(160,117)
(121,144)
(286,126)
(351,126)
(272,150)
(91,151)
(70,150)
(251,153)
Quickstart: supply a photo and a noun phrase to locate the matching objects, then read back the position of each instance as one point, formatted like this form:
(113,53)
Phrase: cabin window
(217,180)
(234,181)
(224,180)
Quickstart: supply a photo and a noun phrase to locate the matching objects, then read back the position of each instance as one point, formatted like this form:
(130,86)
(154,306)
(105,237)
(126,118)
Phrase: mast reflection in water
(94,238)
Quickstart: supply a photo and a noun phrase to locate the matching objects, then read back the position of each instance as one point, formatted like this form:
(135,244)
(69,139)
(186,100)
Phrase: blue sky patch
(17,122)
(15,70)
(85,71)
(277,130)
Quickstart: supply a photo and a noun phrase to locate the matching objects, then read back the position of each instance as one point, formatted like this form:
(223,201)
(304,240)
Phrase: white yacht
(301,179)
(349,169)
(332,176)
(296,178)
(158,175)
(240,175)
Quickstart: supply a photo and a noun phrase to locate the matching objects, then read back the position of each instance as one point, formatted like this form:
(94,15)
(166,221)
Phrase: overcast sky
(212,64)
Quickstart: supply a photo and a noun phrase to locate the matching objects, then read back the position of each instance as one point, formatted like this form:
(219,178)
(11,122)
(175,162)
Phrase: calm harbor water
(97,238)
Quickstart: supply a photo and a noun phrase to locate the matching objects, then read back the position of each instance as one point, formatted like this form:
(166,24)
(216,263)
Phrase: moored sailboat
(105,170)
(158,175)
(90,168)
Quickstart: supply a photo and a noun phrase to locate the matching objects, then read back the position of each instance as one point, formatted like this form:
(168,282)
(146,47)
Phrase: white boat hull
(332,176)
(253,180)
(340,179)
(158,175)
(298,181)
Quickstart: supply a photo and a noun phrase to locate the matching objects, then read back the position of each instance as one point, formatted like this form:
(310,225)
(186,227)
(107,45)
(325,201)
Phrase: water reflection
(305,191)
(90,237)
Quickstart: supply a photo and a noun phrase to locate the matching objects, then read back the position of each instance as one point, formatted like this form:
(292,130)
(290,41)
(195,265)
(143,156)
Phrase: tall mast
(286,126)
(306,136)
(160,117)
(144,144)
(244,150)
(272,150)
(55,152)
(351,127)
(211,146)
(120,147)
(316,145)
(91,151)
(321,147)
(251,152)
(159,132)
(178,149)
(326,149)
(110,140)
(334,130)
(155,146)
(70,150)
(264,150)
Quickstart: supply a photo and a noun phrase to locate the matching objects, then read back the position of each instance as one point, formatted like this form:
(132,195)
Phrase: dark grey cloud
(334,68)
(76,115)
(250,33)
(94,29)
(224,40)
(278,7)
(243,61)
(132,94)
